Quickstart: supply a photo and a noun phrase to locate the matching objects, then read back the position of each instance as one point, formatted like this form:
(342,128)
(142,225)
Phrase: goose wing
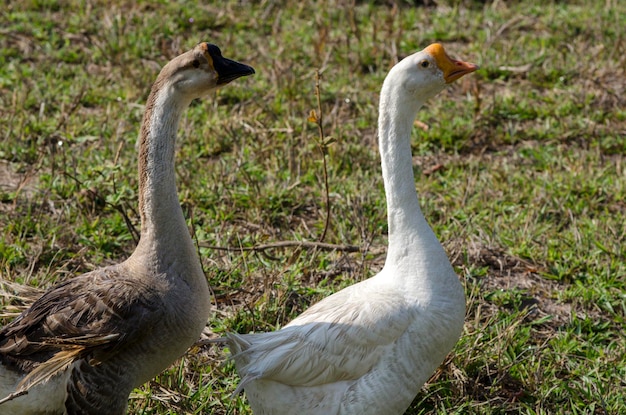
(340,338)
(90,316)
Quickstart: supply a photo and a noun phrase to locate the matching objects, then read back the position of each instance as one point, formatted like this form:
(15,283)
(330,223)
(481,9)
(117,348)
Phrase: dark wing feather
(89,316)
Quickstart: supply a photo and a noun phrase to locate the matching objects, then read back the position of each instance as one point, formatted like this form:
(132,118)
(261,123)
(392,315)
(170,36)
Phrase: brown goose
(86,343)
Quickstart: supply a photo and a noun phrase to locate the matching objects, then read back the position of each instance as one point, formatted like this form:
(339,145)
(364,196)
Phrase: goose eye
(424,64)
(196,63)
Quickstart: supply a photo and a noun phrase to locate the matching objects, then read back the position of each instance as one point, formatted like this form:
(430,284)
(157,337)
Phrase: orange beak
(452,69)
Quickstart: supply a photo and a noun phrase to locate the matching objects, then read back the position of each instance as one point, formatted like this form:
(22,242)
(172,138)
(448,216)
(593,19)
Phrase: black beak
(229,70)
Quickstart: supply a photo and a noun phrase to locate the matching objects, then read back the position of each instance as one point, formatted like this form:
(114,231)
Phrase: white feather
(368,348)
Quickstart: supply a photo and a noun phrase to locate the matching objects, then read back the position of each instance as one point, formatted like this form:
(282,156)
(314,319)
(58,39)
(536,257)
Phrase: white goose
(368,348)
(86,343)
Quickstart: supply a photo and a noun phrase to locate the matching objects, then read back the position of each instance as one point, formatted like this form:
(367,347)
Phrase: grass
(521,173)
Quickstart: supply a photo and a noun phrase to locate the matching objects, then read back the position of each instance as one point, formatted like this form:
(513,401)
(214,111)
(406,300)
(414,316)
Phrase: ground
(519,166)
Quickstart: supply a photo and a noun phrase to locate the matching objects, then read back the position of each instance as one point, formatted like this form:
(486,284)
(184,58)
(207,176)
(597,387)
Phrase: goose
(370,347)
(87,342)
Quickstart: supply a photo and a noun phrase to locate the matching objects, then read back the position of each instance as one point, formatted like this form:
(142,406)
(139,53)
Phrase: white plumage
(369,348)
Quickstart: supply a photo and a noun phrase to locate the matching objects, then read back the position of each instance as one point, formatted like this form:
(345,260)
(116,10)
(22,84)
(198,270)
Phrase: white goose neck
(411,240)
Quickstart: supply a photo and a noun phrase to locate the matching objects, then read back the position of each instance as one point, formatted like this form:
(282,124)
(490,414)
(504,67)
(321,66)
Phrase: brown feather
(94,313)
(51,367)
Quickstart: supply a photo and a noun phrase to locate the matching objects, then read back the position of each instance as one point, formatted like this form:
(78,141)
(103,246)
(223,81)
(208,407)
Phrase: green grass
(521,174)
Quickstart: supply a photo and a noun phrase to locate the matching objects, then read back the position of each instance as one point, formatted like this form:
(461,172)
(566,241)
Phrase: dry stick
(194,236)
(73,107)
(285,244)
(322,146)
(134,233)
(60,124)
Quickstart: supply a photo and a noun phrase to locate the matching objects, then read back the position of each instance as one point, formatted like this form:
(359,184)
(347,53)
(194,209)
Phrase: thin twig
(194,236)
(134,233)
(73,107)
(285,244)
(323,148)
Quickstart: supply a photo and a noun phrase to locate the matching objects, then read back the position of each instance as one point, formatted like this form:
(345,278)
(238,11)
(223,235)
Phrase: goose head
(200,70)
(424,74)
